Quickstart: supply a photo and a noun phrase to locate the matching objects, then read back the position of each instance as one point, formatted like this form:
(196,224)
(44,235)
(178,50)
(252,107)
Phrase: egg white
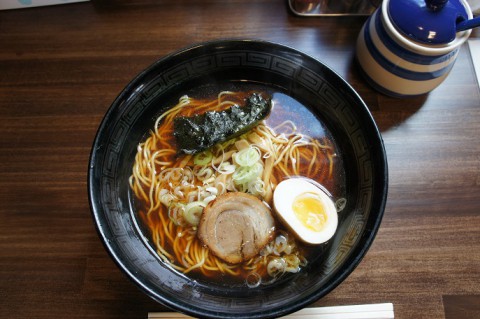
(283,197)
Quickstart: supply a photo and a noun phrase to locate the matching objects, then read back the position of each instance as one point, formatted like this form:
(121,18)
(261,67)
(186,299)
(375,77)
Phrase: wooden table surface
(62,66)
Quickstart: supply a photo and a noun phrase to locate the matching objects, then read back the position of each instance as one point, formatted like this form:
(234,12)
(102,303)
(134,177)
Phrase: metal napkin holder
(307,8)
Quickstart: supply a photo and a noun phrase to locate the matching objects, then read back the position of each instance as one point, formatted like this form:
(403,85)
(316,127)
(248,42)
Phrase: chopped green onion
(175,210)
(248,156)
(340,204)
(203,158)
(193,212)
(245,174)
(253,280)
(276,267)
(293,263)
(256,187)
(203,172)
(226,168)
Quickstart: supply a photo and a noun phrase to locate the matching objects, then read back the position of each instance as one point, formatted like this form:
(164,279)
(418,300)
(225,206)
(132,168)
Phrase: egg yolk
(310,211)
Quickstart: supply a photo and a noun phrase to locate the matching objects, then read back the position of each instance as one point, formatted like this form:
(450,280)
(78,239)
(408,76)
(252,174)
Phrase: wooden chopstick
(370,311)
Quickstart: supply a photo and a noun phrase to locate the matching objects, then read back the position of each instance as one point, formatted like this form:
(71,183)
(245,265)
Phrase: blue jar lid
(427,21)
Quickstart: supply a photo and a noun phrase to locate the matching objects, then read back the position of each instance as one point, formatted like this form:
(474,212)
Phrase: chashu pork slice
(236,226)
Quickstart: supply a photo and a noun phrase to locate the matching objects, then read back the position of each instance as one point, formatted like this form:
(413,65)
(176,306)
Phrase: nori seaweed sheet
(200,132)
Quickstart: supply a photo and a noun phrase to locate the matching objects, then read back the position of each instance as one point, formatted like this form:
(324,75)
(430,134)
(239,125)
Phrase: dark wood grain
(461,306)
(62,66)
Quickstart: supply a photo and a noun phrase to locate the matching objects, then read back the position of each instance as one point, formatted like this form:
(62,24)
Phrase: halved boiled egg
(306,209)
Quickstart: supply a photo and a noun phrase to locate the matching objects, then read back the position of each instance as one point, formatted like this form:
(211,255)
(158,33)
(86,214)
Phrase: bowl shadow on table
(387,111)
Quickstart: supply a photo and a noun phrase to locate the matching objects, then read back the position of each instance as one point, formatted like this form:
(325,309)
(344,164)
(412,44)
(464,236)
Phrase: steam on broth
(173,189)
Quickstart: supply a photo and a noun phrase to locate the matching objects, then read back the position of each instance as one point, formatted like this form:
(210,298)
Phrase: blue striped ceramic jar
(398,65)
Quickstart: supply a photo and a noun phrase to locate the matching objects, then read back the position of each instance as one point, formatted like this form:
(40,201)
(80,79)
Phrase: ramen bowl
(321,94)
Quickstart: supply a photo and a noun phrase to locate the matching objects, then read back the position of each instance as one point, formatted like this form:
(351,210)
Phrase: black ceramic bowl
(279,68)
